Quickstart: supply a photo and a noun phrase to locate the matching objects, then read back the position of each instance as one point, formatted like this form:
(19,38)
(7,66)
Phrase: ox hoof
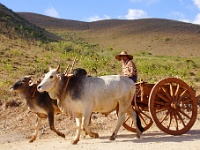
(74,142)
(96,135)
(62,135)
(137,136)
(112,138)
(32,140)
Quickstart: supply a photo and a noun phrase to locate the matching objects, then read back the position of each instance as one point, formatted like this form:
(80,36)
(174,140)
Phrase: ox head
(21,84)
(50,79)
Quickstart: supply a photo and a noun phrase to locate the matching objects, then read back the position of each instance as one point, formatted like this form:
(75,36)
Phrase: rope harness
(32,91)
(62,91)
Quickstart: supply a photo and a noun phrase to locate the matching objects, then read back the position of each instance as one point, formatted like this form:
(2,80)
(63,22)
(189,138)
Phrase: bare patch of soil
(17,127)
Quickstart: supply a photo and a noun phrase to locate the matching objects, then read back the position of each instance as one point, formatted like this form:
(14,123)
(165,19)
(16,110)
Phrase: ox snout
(39,88)
(11,88)
(14,88)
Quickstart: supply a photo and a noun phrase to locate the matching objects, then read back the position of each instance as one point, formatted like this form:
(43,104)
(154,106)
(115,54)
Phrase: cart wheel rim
(173,106)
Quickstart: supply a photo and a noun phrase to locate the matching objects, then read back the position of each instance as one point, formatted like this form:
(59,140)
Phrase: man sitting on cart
(128,66)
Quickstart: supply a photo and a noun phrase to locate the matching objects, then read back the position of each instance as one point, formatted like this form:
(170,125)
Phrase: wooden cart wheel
(173,106)
(144,117)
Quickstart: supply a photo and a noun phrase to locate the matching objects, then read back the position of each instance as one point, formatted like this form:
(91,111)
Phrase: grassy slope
(14,26)
(20,48)
(148,39)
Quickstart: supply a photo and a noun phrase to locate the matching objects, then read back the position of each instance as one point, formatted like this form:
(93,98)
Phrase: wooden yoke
(66,74)
(66,71)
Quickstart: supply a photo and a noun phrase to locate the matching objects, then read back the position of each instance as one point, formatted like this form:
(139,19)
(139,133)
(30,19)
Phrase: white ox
(85,95)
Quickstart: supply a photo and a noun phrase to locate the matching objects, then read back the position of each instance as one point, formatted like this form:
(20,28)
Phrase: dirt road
(152,140)
(17,126)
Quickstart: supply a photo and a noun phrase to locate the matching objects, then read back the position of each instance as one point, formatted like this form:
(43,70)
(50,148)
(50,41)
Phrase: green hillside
(14,26)
(30,43)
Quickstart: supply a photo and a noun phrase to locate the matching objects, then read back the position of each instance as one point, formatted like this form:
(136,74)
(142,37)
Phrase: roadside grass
(154,68)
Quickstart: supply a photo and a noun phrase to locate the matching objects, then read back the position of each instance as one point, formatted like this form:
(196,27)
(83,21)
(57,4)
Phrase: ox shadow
(155,137)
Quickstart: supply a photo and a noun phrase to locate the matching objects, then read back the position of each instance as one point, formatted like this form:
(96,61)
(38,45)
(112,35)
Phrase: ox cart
(170,104)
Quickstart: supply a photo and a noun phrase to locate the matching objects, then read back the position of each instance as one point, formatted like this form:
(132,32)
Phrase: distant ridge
(152,24)
(50,22)
(153,35)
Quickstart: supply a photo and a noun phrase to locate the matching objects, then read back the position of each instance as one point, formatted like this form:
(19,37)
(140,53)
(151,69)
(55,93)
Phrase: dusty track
(16,127)
(150,140)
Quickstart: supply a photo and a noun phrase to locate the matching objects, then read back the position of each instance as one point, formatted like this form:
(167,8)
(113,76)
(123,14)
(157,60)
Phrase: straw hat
(123,53)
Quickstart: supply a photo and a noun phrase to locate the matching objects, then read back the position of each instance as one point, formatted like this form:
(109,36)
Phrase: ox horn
(57,69)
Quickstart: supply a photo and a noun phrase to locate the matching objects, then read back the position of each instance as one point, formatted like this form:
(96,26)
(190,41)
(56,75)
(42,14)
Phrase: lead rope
(32,91)
(35,89)
(68,78)
(66,84)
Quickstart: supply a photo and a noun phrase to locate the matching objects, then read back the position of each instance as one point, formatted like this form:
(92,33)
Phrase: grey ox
(80,95)
(39,103)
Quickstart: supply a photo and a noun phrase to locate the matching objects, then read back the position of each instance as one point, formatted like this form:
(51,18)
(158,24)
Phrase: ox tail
(139,124)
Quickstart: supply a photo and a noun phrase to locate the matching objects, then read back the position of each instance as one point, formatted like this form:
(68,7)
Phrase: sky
(93,10)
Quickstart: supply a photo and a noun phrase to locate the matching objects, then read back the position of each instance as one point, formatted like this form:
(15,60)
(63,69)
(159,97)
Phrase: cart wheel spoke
(144,117)
(176,122)
(170,120)
(171,90)
(180,118)
(187,101)
(177,91)
(162,109)
(144,121)
(166,93)
(142,113)
(164,98)
(182,95)
(183,113)
(127,119)
(166,115)
(160,103)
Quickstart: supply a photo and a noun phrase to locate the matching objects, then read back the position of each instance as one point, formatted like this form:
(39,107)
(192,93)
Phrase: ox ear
(58,76)
(30,83)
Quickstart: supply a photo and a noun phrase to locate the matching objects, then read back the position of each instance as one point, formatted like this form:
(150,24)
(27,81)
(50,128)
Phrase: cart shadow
(156,137)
